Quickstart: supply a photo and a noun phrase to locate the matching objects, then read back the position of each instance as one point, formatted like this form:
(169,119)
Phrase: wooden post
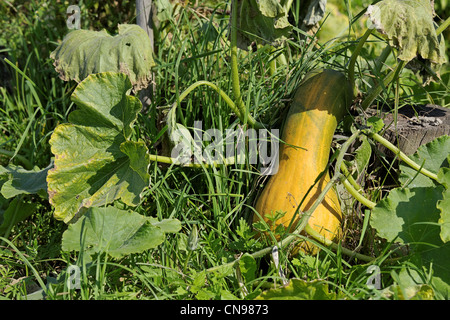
(416,126)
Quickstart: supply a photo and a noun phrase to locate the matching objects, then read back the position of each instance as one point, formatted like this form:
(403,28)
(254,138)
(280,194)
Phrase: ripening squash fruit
(319,104)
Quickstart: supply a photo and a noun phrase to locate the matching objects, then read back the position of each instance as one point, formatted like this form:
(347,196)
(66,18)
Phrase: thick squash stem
(351,185)
(272,63)
(352,188)
(443,26)
(303,224)
(169,160)
(351,66)
(358,196)
(349,177)
(402,156)
(228,161)
(294,235)
(234,62)
(250,120)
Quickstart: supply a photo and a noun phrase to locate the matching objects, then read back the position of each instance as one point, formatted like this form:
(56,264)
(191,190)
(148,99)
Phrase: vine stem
(351,66)
(250,120)
(288,5)
(169,160)
(272,63)
(303,225)
(227,161)
(235,82)
(352,188)
(284,242)
(443,26)
(402,156)
(349,177)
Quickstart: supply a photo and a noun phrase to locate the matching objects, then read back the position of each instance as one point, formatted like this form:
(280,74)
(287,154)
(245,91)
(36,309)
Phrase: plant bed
(125,221)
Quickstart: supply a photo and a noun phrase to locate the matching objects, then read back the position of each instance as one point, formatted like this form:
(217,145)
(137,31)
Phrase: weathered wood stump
(415,126)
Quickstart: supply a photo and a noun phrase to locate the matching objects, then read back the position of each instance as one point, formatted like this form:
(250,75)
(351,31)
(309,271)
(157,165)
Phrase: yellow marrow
(319,104)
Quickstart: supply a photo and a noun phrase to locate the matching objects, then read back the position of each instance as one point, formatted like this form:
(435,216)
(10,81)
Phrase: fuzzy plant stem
(402,156)
(352,187)
(288,5)
(302,226)
(169,160)
(234,63)
(351,65)
(443,26)
(346,178)
(317,236)
(228,161)
(250,120)
(272,63)
(294,235)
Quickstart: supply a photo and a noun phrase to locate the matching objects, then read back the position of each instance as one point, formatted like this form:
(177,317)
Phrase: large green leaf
(84,52)
(407,215)
(16,181)
(444,175)
(409,27)
(21,181)
(444,221)
(413,292)
(362,158)
(312,11)
(95,160)
(409,285)
(165,10)
(116,232)
(264,21)
(411,217)
(434,254)
(247,267)
(419,216)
